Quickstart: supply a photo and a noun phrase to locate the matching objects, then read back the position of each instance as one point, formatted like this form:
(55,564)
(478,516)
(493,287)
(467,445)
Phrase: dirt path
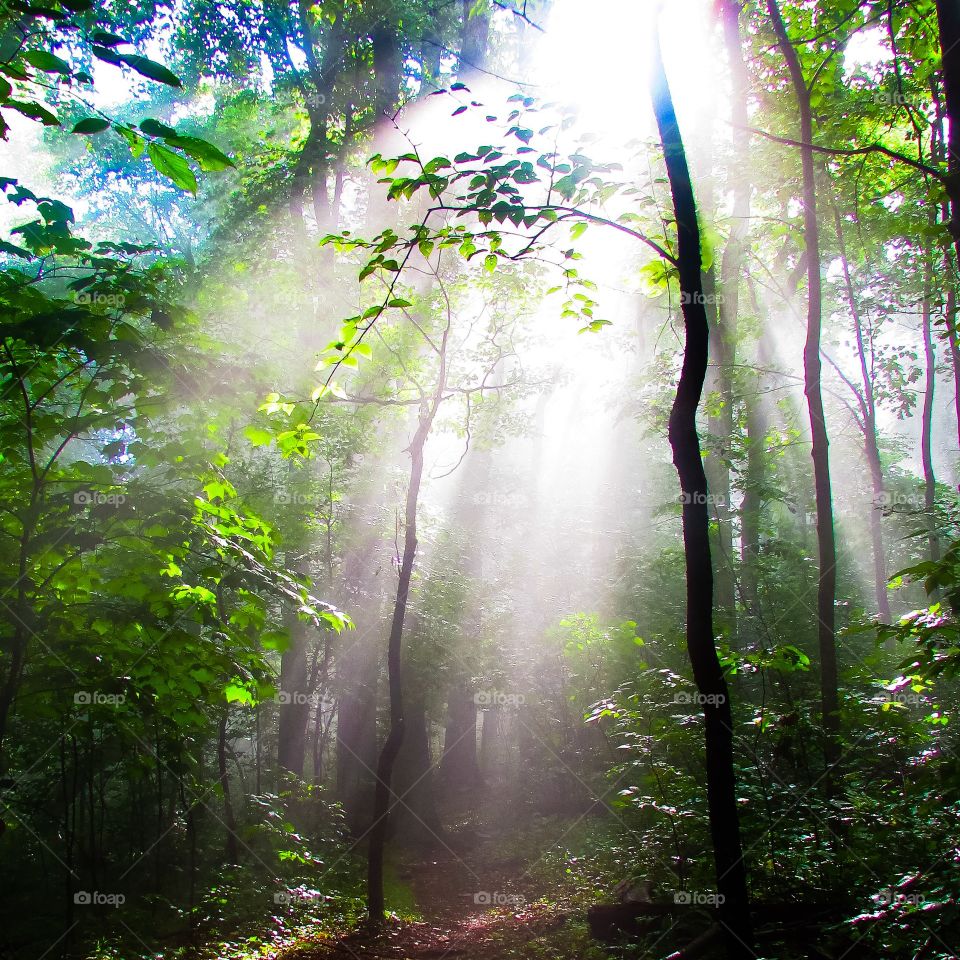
(475,902)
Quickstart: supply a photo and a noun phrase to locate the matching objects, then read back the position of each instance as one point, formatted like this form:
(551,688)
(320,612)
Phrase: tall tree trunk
(387,69)
(820,452)
(22,612)
(414,817)
(926,435)
(867,402)
(731,267)
(229,819)
(717,466)
(458,765)
(718,723)
(948,21)
(356,678)
(950,261)
(754,474)
(491,736)
(756,470)
(294,710)
(950,319)
(356,740)
(391,746)
(473,41)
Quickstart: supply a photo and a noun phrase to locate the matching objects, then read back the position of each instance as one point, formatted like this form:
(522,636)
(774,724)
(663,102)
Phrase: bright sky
(600,62)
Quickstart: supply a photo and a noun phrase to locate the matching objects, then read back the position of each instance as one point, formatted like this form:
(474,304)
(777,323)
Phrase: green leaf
(14,250)
(134,140)
(106,39)
(107,55)
(34,111)
(237,694)
(172,165)
(91,125)
(142,65)
(278,640)
(47,62)
(154,128)
(151,70)
(257,436)
(206,154)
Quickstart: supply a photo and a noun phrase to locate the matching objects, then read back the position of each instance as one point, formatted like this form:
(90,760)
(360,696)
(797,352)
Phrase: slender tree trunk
(717,466)
(826,542)
(950,260)
(491,736)
(229,820)
(685,444)
(414,817)
(22,614)
(948,21)
(750,504)
(926,434)
(391,747)
(872,452)
(756,470)
(473,41)
(294,710)
(871,442)
(387,68)
(356,739)
(458,765)
(950,319)
(731,267)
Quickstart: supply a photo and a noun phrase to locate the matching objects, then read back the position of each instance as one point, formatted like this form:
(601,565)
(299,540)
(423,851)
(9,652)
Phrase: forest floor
(483,892)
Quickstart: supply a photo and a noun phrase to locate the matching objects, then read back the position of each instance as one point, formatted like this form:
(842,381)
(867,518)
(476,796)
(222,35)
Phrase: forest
(479,478)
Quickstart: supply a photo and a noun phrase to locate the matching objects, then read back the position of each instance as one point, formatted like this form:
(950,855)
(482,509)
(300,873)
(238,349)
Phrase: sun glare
(603,72)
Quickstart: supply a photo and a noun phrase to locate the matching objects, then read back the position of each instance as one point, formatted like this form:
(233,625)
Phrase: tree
(826,542)
(707,671)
